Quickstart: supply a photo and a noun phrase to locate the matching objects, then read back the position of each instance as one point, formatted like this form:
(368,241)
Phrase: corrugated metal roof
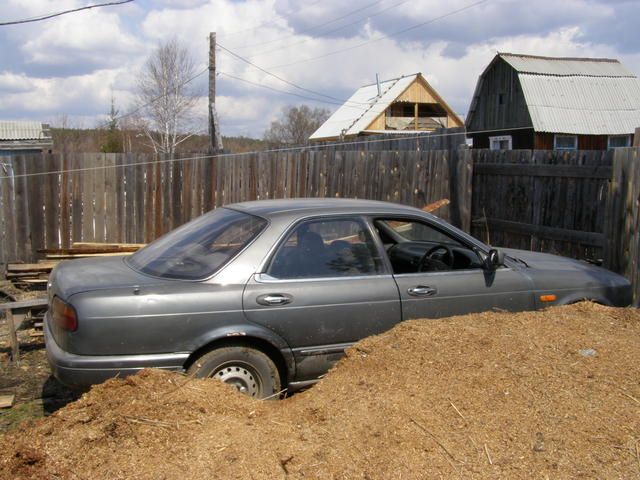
(362,108)
(582,105)
(10,130)
(596,67)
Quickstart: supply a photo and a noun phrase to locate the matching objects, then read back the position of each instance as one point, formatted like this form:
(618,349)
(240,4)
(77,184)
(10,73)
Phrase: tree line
(164,118)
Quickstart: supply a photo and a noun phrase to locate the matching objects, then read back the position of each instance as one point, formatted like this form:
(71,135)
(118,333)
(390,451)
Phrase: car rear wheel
(250,371)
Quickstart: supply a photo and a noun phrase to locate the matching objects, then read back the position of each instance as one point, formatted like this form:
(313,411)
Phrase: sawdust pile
(534,395)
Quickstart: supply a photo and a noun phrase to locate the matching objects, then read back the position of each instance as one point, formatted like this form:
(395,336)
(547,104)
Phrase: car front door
(433,285)
(326,287)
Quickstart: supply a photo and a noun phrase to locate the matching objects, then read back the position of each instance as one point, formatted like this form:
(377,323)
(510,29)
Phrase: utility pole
(215,140)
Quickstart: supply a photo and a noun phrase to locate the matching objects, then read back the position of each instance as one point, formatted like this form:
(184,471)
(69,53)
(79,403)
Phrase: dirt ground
(552,394)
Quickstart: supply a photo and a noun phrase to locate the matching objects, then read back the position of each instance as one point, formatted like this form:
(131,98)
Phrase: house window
(617,141)
(503,142)
(501,99)
(565,142)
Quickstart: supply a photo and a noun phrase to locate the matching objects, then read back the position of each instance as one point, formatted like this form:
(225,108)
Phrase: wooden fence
(49,201)
(548,201)
(581,204)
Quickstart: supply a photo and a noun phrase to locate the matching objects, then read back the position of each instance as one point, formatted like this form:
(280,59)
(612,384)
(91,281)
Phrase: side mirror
(494,259)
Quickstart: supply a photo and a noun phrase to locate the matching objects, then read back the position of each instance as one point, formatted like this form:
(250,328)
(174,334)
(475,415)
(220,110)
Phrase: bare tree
(166,98)
(295,125)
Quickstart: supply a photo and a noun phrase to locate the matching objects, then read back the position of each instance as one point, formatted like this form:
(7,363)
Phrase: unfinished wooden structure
(547,103)
(404,105)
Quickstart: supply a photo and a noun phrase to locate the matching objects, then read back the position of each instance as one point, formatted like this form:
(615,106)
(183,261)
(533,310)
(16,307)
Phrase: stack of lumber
(33,276)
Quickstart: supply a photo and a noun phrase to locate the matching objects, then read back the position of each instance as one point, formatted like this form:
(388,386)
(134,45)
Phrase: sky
(67,69)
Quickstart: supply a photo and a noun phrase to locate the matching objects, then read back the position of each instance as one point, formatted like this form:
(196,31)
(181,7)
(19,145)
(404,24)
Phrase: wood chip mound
(551,394)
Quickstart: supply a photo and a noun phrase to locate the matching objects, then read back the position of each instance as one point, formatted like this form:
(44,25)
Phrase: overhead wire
(260,85)
(48,16)
(342,27)
(256,27)
(242,154)
(315,27)
(284,80)
(382,37)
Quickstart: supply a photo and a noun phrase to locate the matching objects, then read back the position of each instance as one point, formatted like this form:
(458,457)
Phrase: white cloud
(71,64)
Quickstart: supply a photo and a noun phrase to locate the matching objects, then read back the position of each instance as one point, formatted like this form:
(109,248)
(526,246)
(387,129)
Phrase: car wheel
(250,371)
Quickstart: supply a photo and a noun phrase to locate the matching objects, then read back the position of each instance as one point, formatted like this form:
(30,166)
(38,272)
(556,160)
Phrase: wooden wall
(547,201)
(52,201)
(582,204)
(487,112)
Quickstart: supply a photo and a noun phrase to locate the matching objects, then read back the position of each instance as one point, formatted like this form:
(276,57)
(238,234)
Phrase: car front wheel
(250,371)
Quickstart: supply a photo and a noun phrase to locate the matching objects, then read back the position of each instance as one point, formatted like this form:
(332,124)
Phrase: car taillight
(64,315)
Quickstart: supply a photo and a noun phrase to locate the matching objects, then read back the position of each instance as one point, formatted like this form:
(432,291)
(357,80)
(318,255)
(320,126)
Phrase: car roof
(303,207)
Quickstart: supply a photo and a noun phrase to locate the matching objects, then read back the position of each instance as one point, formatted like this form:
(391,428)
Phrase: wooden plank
(76,199)
(100,198)
(8,209)
(139,201)
(88,160)
(553,233)
(31,303)
(23,242)
(111,211)
(556,171)
(13,338)
(6,401)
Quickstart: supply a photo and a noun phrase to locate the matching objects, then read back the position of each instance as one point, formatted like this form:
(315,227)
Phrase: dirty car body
(267,295)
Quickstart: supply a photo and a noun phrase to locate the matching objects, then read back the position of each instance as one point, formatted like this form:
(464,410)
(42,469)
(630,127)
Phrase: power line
(284,80)
(284,91)
(380,12)
(65,12)
(242,154)
(352,12)
(382,37)
(268,23)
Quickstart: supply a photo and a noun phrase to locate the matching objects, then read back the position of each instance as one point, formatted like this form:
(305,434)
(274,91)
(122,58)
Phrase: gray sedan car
(267,295)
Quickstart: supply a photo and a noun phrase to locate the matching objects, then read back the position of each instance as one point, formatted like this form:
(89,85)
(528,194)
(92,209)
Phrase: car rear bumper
(84,370)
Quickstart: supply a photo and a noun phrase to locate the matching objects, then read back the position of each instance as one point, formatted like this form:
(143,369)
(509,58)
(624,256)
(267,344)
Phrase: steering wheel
(447,260)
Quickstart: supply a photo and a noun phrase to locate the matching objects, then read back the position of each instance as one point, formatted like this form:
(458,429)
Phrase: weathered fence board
(622,224)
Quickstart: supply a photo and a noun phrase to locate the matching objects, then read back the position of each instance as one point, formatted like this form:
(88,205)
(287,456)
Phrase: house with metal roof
(532,102)
(403,105)
(24,137)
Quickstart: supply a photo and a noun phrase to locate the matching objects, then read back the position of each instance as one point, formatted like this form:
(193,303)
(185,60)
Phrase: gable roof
(364,106)
(581,96)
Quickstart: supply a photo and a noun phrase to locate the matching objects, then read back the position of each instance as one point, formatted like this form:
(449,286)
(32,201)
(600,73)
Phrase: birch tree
(166,98)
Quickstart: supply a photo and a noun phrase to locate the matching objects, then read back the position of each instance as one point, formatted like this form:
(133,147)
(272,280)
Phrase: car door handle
(271,299)
(422,291)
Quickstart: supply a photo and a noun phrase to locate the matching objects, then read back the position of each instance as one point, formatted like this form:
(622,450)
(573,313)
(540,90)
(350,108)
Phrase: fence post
(460,186)
(622,221)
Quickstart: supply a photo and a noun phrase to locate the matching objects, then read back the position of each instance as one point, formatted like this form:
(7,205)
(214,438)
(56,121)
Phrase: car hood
(546,261)
(75,276)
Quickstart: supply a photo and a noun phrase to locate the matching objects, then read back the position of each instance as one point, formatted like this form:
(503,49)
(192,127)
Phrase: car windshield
(199,248)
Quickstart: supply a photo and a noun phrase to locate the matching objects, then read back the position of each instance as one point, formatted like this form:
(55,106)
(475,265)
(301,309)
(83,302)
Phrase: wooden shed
(24,137)
(401,105)
(532,102)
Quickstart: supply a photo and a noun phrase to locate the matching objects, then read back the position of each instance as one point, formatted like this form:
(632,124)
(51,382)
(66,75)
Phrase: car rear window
(199,248)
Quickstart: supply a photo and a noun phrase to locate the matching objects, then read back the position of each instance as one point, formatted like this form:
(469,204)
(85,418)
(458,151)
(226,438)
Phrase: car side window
(417,247)
(327,248)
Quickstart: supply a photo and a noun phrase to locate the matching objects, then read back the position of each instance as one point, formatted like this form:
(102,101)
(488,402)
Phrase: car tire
(250,371)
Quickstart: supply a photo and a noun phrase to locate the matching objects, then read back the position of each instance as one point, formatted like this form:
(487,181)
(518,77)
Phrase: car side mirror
(494,260)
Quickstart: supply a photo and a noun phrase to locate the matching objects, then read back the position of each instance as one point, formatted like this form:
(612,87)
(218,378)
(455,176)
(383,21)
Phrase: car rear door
(435,294)
(325,288)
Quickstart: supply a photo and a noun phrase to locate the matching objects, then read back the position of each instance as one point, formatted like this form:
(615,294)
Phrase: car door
(464,287)
(326,287)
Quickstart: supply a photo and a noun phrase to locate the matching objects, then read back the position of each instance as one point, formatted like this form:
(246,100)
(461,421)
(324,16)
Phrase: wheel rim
(242,377)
